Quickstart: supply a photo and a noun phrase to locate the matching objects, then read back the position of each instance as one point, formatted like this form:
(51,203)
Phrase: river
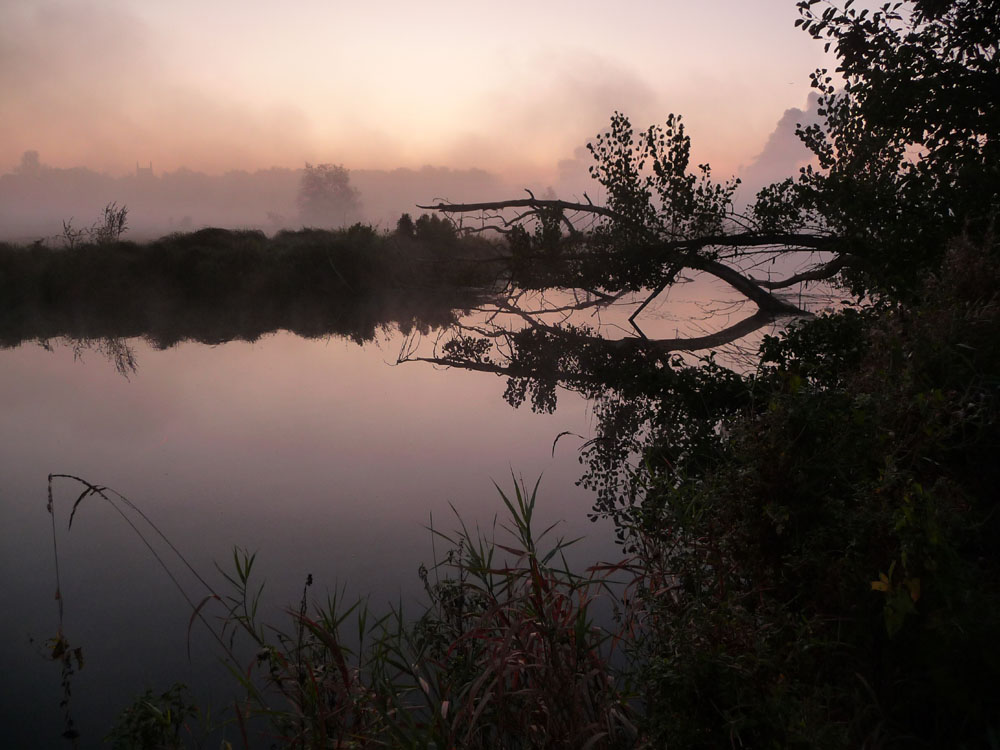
(321,455)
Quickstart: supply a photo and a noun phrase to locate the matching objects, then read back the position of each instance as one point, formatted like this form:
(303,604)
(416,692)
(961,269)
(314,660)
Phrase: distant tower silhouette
(144,172)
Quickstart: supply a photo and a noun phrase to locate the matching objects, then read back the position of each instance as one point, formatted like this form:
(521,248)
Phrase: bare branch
(727,335)
(813,241)
(650,298)
(560,205)
(659,347)
(746,286)
(603,300)
(785,240)
(819,273)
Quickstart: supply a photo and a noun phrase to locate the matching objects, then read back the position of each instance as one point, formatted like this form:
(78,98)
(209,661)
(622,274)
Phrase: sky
(215,85)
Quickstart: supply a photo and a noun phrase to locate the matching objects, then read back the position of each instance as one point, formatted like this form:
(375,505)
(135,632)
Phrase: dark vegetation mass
(816,533)
(810,543)
(216,285)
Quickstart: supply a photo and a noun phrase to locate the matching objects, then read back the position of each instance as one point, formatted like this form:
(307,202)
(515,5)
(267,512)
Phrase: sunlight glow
(225,85)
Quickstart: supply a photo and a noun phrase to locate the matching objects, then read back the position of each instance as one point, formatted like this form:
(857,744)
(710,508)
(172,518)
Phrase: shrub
(830,578)
(505,654)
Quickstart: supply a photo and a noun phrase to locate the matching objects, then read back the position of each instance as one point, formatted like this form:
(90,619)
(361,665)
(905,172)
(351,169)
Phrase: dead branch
(819,273)
(533,203)
(657,347)
(746,286)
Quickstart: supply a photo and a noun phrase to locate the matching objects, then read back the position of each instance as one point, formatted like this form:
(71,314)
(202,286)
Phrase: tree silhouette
(30,164)
(326,197)
(906,159)
(818,531)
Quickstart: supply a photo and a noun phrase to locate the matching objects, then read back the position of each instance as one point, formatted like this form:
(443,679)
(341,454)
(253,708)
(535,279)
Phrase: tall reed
(505,651)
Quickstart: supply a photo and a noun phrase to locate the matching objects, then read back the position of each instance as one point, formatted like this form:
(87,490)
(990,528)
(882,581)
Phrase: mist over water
(317,454)
(36,199)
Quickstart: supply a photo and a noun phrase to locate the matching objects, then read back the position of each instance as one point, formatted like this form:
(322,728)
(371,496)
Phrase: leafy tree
(818,531)
(326,197)
(29,165)
(905,161)
(405,227)
(908,150)
(434,230)
(906,155)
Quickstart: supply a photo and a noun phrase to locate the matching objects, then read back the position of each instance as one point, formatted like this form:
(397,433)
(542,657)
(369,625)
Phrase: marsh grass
(111,227)
(504,651)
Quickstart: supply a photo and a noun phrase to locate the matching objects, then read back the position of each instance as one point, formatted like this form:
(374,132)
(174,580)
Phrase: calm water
(319,454)
(315,453)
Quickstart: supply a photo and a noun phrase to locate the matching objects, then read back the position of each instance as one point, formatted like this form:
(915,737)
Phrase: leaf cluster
(907,150)
(654,196)
(830,559)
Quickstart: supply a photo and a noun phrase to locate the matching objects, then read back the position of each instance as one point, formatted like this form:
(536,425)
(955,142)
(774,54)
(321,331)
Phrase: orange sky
(222,84)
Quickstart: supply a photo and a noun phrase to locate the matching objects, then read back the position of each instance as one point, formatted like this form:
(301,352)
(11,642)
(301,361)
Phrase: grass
(504,651)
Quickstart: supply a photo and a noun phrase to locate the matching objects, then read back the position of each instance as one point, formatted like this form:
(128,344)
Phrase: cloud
(87,84)
(548,105)
(783,153)
(94,84)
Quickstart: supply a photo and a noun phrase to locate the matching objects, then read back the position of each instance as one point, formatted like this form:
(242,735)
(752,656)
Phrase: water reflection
(118,351)
(314,452)
(286,436)
(216,285)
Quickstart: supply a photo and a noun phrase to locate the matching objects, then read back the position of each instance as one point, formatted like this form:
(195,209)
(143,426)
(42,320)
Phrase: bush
(505,653)
(831,578)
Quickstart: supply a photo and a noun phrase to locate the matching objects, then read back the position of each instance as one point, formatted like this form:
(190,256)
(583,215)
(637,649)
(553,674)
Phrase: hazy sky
(513,87)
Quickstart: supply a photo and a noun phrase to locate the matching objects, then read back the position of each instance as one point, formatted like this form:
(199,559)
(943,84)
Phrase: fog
(36,198)
(195,115)
(245,86)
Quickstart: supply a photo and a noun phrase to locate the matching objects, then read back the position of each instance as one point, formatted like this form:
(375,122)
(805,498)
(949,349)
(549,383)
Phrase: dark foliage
(215,285)
(817,534)
(829,566)
(908,146)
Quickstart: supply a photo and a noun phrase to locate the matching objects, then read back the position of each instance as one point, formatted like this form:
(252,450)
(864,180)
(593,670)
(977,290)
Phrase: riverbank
(218,285)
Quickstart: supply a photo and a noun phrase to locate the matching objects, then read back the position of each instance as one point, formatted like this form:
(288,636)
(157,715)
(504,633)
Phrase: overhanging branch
(695,253)
(746,286)
(535,203)
(626,346)
(819,273)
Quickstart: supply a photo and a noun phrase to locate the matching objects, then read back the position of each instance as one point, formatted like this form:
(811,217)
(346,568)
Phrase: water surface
(318,454)
(322,455)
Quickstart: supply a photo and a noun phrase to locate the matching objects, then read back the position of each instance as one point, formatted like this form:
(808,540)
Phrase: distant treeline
(35,198)
(215,285)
